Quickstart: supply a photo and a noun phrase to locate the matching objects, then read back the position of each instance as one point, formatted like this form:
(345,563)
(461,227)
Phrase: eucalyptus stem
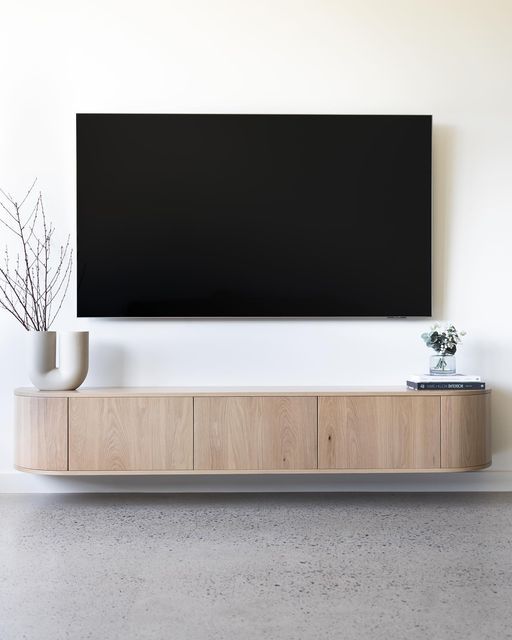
(443,341)
(441,364)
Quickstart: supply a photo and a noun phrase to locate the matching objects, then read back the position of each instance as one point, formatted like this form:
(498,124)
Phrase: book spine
(446,379)
(440,386)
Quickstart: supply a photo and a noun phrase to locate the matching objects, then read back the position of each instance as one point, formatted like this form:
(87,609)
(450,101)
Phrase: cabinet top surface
(102,392)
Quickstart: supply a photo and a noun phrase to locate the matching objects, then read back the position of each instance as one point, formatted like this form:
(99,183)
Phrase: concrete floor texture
(347,566)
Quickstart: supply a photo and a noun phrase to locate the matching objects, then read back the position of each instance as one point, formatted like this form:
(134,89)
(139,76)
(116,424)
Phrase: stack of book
(440,383)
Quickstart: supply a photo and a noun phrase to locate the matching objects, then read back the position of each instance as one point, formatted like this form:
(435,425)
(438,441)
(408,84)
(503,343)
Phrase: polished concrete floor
(256,566)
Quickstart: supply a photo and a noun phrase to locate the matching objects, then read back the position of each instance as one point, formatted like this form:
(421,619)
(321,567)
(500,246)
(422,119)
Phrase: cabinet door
(42,433)
(130,434)
(377,432)
(465,430)
(255,433)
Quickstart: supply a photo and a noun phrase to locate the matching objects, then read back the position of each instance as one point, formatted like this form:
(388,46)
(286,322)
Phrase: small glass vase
(442,365)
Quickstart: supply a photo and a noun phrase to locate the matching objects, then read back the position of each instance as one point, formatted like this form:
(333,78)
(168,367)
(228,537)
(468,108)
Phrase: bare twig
(37,280)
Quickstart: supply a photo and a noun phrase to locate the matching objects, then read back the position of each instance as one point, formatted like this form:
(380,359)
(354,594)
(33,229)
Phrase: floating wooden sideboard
(251,430)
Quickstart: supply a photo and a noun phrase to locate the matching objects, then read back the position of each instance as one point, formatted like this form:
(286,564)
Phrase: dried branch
(38,280)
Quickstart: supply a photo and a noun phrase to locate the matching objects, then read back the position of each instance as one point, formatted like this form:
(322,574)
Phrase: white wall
(451,59)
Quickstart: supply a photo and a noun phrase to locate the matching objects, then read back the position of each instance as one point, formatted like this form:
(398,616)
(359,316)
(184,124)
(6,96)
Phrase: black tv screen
(253,215)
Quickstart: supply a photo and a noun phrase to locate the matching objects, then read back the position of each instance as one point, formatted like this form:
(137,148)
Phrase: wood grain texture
(253,472)
(41,440)
(137,434)
(255,433)
(151,431)
(465,431)
(122,392)
(379,433)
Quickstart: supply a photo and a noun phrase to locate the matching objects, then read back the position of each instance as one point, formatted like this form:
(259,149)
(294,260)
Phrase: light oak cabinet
(130,434)
(378,432)
(464,443)
(41,433)
(289,430)
(255,433)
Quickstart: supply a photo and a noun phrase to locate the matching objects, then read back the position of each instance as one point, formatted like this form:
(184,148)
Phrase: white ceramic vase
(73,359)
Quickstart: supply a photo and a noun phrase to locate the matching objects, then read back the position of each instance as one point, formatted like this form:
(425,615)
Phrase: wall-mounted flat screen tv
(194,215)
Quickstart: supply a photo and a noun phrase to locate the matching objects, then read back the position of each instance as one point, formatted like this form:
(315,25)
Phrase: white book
(457,377)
